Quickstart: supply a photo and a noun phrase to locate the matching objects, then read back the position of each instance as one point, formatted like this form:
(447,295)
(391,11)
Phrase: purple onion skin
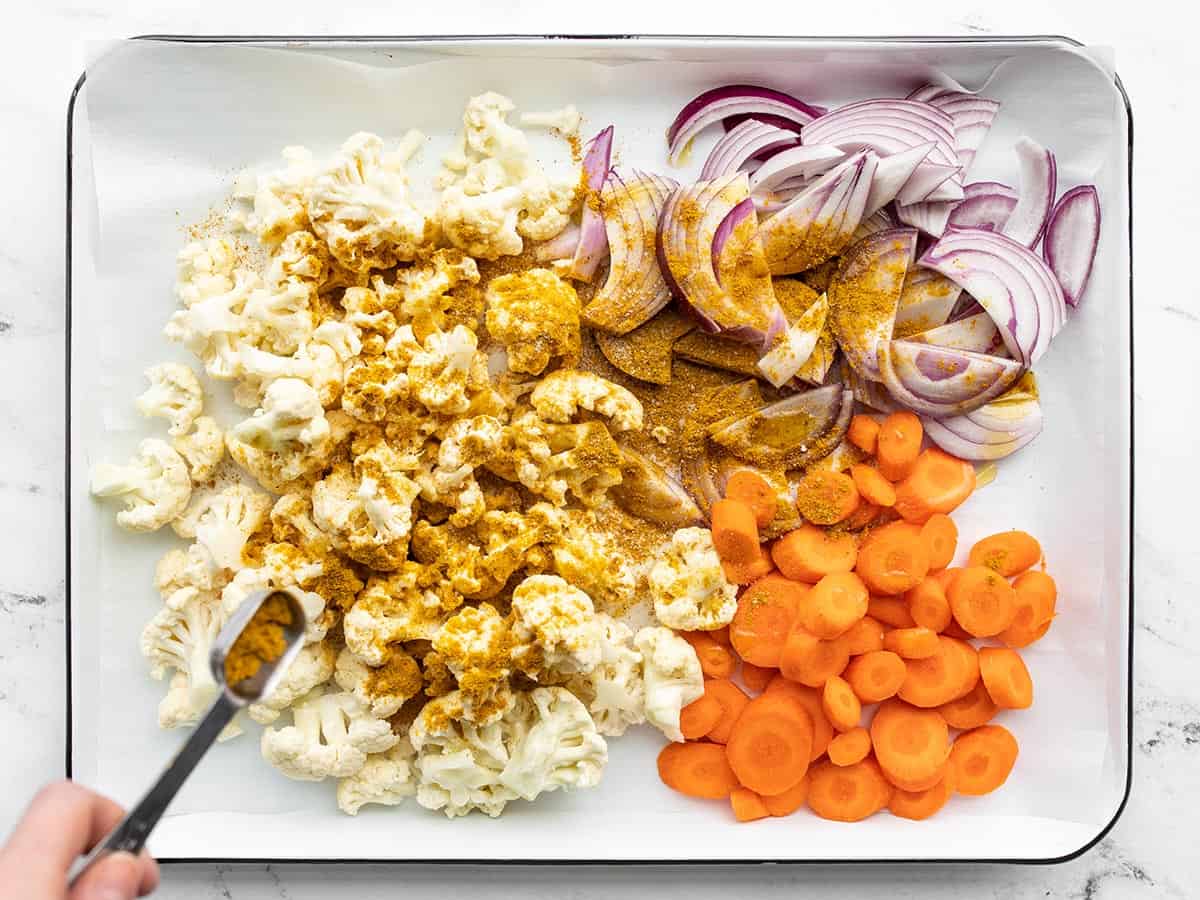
(734,91)
(1077,198)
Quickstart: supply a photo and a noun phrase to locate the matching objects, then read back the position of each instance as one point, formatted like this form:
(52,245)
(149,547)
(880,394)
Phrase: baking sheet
(163,128)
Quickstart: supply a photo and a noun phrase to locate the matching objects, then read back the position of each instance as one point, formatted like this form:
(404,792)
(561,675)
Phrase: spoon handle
(131,833)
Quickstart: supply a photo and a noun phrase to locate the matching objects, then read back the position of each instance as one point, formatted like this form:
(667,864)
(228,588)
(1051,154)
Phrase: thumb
(116,877)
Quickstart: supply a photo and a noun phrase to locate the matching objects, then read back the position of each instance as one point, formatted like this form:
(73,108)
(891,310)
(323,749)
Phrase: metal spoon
(131,833)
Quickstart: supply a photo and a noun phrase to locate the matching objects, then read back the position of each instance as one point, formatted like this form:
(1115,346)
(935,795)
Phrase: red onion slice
(995,430)
(794,162)
(892,174)
(973,116)
(977,333)
(880,220)
(937,381)
(593,238)
(716,104)
(731,122)
(747,141)
(931,218)
(1072,235)
(793,350)
(871,393)
(1039,186)
(926,301)
(932,183)
(561,246)
(986,204)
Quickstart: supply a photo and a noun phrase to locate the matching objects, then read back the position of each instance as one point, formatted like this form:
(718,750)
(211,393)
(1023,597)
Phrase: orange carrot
(939,678)
(945,577)
(1005,677)
(938,483)
(848,793)
(834,604)
(1036,598)
(810,660)
(826,498)
(928,606)
(865,515)
(911,643)
(910,744)
(756,677)
(1009,553)
(850,747)
(892,561)
(918,805)
(898,445)
(810,699)
(969,657)
(715,661)
(789,801)
(752,489)
(697,770)
(747,805)
(734,531)
(982,759)
(750,571)
(732,700)
(841,705)
(984,604)
(720,635)
(956,631)
(891,611)
(863,433)
(771,744)
(872,486)
(970,710)
(864,636)
(940,535)
(765,614)
(810,553)
(699,717)
(875,676)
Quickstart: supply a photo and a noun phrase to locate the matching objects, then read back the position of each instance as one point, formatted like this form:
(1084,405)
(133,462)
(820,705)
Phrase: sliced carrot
(810,660)
(940,535)
(911,744)
(875,676)
(811,700)
(938,483)
(928,606)
(872,486)
(734,531)
(826,498)
(863,433)
(1005,677)
(720,635)
(1009,553)
(945,577)
(850,747)
(747,805)
(1037,596)
(840,704)
(865,515)
(956,631)
(699,717)
(911,643)
(919,805)
(750,571)
(892,561)
(939,678)
(810,553)
(732,700)
(864,636)
(982,759)
(970,710)
(898,445)
(770,747)
(834,604)
(984,604)
(715,661)
(757,677)
(696,769)
(756,492)
(789,801)
(848,793)
(765,614)
(969,657)
(891,611)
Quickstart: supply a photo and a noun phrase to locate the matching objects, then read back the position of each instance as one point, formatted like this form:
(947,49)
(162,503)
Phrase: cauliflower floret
(409,604)
(466,445)
(372,312)
(613,691)
(281,471)
(383,689)
(555,628)
(562,394)
(672,676)
(174,394)
(155,486)
(331,735)
(180,638)
(203,449)
(222,521)
(689,586)
(477,646)
(204,269)
(586,557)
(482,223)
(566,121)
(535,315)
(300,260)
(553,744)
(281,316)
(385,778)
(292,523)
(291,418)
(214,294)
(423,289)
(278,197)
(447,366)
(284,568)
(193,567)
(312,666)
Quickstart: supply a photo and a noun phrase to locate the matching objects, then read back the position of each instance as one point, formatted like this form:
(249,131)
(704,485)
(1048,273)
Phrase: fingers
(63,821)
(149,882)
(116,877)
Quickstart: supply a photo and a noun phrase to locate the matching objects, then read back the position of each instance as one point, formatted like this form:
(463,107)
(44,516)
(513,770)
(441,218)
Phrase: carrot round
(945,577)
(899,445)
(938,483)
(848,793)
(956,631)
(732,700)
(850,747)
(811,660)
(750,571)
(840,704)
(872,486)
(971,710)
(892,561)
(826,498)
(863,433)
(983,602)
(771,744)
(1009,553)
(734,531)
(865,515)
(919,805)
(765,615)
(940,535)
(834,604)
(809,553)
(1037,596)
(911,643)
(910,744)
(939,678)
(747,805)
(864,636)
(875,676)
(720,635)
(891,611)
(699,717)
(789,801)
(928,606)
(715,661)
(982,759)
(757,677)
(812,702)
(756,492)
(969,657)
(697,770)
(1006,678)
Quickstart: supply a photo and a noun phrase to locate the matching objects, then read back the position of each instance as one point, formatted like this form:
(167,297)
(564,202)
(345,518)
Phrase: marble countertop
(1150,853)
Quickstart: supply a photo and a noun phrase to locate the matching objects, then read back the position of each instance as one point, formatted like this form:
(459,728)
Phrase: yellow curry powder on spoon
(261,641)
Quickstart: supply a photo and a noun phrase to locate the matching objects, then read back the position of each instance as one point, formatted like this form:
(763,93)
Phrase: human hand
(63,822)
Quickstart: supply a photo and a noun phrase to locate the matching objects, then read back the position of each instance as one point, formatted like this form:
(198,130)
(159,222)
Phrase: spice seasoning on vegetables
(261,641)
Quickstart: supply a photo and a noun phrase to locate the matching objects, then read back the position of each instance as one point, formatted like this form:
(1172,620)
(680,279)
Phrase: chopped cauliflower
(424,289)
(565,121)
(193,567)
(409,604)
(291,418)
(689,586)
(174,394)
(180,638)
(214,293)
(331,735)
(203,448)
(385,778)
(278,197)
(281,471)
(585,556)
(223,521)
(561,395)
(555,628)
(553,743)
(312,666)
(280,316)
(383,689)
(613,691)
(292,522)
(446,367)
(535,315)
(671,675)
(477,646)
(284,568)
(465,446)
(155,486)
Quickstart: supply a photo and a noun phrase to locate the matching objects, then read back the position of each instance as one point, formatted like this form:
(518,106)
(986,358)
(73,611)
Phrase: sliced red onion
(926,301)
(1072,235)
(892,174)
(993,431)
(561,246)
(745,142)
(795,347)
(880,220)
(864,293)
(593,238)
(932,183)
(790,432)
(714,105)
(1039,186)
(977,333)
(986,204)
(937,381)
(930,217)
(870,393)
(794,162)
(1013,284)
(731,122)
(973,116)
(819,221)
(648,492)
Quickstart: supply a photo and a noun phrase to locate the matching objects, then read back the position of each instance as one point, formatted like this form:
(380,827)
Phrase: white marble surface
(1151,851)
